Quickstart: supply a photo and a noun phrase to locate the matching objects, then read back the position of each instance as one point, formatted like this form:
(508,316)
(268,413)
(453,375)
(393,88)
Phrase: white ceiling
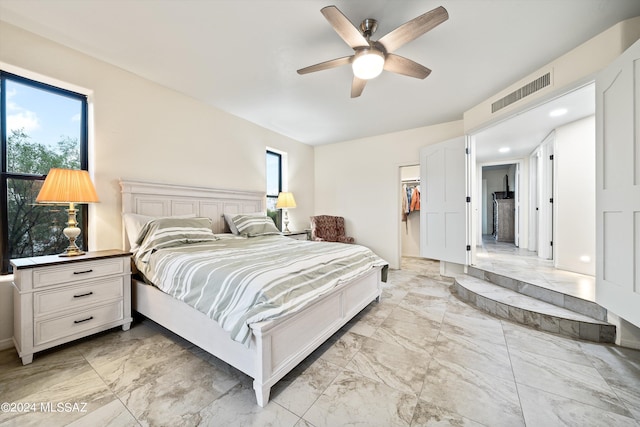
(241,56)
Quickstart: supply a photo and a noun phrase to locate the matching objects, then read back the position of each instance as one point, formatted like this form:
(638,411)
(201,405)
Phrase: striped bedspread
(239,281)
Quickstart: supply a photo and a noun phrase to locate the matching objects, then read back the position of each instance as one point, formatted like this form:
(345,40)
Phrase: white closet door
(618,186)
(443,201)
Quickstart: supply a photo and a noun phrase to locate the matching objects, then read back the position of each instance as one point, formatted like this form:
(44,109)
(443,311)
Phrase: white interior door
(533,202)
(618,186)
(516,216)
(545,198)
(443,216)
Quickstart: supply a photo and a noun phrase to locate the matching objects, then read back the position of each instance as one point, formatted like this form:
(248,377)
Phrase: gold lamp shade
(68,186)
(286,201)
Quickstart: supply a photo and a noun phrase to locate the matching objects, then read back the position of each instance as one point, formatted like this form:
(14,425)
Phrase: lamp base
(72,252)
(286,222)
(72,232)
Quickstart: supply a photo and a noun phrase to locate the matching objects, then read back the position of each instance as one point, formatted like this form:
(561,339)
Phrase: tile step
(530,311)
(560,299)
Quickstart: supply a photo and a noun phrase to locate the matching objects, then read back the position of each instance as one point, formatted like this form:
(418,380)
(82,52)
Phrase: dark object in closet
(503,220)
(503,195)
(506,194)
(498,195)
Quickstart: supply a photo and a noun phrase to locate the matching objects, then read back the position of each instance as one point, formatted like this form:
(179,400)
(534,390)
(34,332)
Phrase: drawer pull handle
(83,272)
(83,320)
(83,295)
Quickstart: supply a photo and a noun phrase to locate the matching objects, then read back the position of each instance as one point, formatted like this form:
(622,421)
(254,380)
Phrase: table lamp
(68,186)
(286,201)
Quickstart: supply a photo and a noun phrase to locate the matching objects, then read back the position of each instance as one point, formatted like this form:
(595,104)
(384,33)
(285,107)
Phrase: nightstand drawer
(72,298)
(61,327)
(76,271)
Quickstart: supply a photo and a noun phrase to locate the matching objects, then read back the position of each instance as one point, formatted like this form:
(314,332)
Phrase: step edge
(582,325)
(595,320)
(567,301)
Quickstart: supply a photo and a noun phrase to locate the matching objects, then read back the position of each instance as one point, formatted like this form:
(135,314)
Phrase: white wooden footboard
(283,343)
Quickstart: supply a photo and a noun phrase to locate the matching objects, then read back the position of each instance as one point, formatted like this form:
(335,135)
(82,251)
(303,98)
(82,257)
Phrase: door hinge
(551,157)
(551,200)
(466,150)
(551,243)
(468,199)
(468,247)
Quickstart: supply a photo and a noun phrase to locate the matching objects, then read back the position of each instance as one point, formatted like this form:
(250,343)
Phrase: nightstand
(298,235)
(60,299)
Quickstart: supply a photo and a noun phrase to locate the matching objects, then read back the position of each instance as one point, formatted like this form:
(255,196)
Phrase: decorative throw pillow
(166,232)
(228,217)
(171,232)
(133,223)
(252,226)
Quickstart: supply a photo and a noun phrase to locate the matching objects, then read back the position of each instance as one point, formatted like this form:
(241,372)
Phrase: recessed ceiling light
(558,112)
(504,149)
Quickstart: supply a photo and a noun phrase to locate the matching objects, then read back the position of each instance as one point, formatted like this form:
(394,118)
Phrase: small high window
(274,185)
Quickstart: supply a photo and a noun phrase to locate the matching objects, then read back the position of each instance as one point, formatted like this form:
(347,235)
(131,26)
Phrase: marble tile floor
(420,357)
(522,264)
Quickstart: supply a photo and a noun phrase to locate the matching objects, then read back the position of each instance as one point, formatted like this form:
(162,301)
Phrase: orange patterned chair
(327,228)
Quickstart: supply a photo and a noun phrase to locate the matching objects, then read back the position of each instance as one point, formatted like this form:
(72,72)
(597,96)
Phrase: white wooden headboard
(155,199)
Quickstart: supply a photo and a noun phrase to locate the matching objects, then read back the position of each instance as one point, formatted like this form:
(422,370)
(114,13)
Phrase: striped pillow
(166,232)
(252,226)
(133,224)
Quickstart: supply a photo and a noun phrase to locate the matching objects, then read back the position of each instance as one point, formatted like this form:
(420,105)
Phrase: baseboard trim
(630,344)
(627,334)
(6,343)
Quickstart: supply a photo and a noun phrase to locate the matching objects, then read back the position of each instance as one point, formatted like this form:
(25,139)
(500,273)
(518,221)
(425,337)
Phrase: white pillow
(133,223)
(228,217)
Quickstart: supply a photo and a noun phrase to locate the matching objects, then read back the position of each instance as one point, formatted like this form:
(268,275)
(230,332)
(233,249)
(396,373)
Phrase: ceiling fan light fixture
(368,64)
(371,57)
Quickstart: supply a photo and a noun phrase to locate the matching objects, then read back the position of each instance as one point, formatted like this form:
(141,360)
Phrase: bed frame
(277,345)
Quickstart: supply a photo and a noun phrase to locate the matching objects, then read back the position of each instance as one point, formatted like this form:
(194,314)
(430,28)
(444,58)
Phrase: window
(274,186)
(41,127)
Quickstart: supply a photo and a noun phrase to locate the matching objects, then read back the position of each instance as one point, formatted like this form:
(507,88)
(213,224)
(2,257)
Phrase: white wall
(358,179)
(575,199)
(144,131)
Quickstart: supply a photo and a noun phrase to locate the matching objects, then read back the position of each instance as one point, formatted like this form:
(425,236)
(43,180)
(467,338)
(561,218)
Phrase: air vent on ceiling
(518,94)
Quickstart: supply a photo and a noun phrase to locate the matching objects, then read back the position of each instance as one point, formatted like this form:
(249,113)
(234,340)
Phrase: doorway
(549,142)
(499,214)
(410,217)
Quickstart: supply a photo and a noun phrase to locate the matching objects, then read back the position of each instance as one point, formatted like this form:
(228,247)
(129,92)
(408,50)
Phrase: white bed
(277,345)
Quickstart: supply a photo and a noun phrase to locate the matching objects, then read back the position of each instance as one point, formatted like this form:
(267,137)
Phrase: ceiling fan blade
(413,29)
(401,65)
(345,28)
(326,65)
(357,87)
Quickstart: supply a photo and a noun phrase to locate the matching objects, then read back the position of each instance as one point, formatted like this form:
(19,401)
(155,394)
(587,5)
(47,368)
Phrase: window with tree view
(41,127)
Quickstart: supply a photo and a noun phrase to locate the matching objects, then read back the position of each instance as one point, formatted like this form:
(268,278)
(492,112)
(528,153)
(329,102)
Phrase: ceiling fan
(372,56)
